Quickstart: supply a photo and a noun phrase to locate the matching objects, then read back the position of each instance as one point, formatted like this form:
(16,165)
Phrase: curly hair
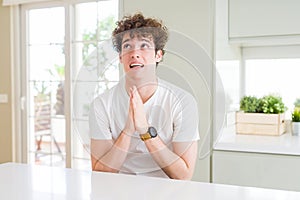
(138,25)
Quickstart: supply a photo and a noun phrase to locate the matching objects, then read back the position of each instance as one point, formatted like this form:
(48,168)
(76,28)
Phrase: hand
(129,126)
(139,116)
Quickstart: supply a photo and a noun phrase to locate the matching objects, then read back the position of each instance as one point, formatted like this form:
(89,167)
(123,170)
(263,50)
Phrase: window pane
(46,26)
(86,21)
(107,16)
(96,20)
(46,72)
(47,62)
(273,76)
(95,68)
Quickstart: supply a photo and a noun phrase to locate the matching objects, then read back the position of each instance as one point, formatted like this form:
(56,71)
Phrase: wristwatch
(151,133)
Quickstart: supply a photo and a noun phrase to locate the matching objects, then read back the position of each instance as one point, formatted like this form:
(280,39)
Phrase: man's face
(138,55)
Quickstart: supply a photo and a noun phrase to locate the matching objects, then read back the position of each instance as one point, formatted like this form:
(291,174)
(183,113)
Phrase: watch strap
(145,136)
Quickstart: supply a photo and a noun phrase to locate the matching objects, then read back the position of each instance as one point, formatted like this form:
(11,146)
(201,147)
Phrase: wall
(227,58)
(224,50)
(5,86)
(194,20)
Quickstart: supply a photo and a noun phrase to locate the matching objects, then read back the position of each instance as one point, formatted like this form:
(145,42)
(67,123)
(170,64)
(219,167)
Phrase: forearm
(113,159)
(171,163)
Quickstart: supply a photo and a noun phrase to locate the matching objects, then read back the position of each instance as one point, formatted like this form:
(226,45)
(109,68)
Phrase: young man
(143,125)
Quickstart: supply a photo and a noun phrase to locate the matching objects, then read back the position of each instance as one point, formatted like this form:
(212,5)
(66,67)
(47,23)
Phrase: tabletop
(23,181)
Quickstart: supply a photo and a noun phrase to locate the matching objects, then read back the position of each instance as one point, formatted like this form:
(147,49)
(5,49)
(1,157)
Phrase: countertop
(286,143)
(22,181)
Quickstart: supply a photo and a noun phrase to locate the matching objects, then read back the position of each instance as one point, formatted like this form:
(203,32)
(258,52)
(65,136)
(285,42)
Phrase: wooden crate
(260,123)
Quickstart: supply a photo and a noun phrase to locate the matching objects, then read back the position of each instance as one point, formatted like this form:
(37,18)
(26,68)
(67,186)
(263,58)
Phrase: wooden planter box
(260,123)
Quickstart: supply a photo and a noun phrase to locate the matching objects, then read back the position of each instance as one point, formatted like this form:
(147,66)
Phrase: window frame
(21,73)
(264,52)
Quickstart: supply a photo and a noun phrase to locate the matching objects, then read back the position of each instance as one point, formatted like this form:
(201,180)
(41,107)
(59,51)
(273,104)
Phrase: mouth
(133,65)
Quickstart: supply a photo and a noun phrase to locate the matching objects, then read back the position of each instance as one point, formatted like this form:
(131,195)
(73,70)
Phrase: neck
(146,88)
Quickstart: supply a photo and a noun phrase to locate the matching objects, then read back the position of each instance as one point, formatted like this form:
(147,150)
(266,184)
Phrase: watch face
(152,131)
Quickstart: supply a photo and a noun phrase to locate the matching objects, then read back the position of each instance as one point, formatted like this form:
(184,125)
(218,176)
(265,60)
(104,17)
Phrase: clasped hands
(136,119)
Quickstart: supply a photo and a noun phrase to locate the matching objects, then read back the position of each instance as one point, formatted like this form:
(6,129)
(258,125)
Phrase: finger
(130,109)
(136,96)
(134,89)
(130,93)
(133,103)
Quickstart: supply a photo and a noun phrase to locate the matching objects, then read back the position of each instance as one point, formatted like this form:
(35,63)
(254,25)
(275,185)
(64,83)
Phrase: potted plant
(58,73)
(272,104)
(263,116)
(296,118)
(250,104)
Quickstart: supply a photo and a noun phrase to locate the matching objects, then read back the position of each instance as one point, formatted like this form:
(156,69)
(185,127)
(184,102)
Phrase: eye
(145,46)
(126,46)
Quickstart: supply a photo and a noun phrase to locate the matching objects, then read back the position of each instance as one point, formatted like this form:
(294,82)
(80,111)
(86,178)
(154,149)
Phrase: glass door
(94,69)
(45,89)
(67,64)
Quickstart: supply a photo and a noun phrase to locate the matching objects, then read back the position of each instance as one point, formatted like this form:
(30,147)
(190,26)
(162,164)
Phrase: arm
(107,156)
(177,164)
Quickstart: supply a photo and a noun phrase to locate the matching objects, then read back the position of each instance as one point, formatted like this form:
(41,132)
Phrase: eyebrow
(125,41)
(144,39)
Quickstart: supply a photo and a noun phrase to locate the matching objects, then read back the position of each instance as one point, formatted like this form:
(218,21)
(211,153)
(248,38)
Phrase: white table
(21,181)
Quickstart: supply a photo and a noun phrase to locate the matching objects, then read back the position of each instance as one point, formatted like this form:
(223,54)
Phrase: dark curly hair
(138,25)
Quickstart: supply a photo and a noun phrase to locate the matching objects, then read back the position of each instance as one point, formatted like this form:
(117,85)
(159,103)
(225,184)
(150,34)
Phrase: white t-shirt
(171,110)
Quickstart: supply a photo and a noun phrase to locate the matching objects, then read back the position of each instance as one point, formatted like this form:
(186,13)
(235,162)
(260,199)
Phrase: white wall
(224,51)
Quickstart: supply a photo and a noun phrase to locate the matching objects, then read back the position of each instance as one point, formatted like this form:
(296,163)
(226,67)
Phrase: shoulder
(115,90)
(175,91)
(106,97)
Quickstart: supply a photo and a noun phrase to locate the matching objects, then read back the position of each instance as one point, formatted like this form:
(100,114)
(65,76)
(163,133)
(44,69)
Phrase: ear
(120,58)
(159,55)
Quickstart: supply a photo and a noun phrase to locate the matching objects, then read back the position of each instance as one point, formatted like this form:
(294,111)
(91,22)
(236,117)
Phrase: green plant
(272,104)
(267,104)
(57,72)
(250,104)
(296,115)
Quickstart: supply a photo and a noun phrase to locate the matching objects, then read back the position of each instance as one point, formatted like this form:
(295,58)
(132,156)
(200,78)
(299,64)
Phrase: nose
(135,53)
(135,56)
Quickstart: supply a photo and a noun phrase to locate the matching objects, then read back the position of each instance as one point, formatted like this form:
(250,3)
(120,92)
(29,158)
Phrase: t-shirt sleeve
(186,120)
(99,121)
